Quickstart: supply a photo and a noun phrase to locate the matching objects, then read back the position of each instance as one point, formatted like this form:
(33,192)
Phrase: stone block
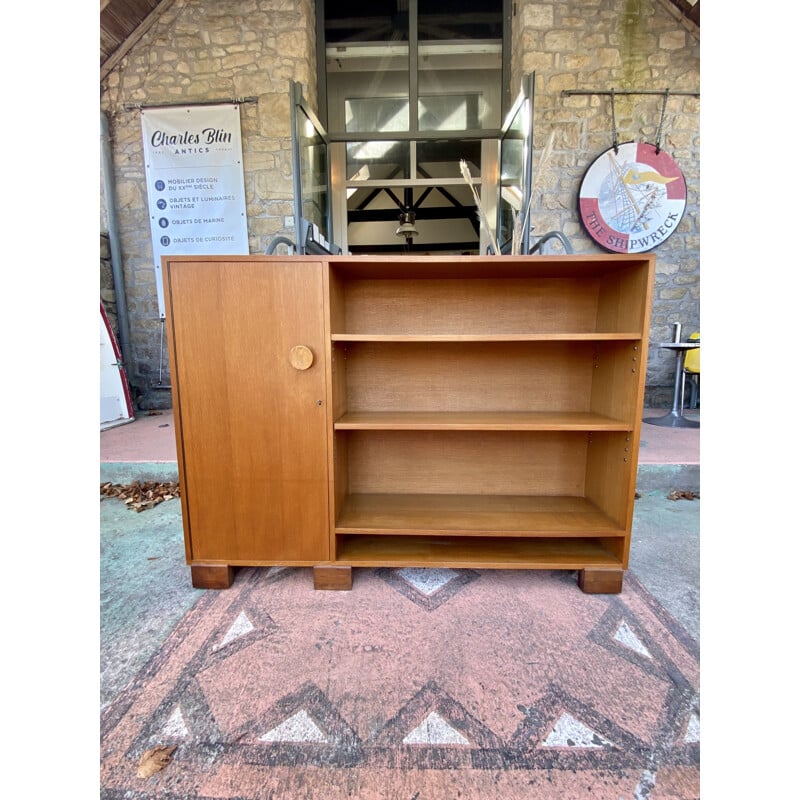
(672,294)
(538,16)
(537,61)
(672,40)
(274,115)
(608,57)
(561,41)
(557,83)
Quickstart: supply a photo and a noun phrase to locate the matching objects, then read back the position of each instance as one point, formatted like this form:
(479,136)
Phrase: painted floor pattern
(418,684)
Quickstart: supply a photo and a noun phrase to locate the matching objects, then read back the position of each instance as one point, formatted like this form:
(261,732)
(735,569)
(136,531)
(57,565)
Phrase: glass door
(312,179)
(515,173)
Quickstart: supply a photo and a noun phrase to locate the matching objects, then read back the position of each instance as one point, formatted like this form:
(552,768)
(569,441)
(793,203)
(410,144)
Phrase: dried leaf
(465,173)
(680,494)
(140,496)
(154,760)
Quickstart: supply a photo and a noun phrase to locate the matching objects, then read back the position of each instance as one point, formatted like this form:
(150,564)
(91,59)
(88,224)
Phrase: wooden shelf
(476,553)
(488,337)
(478,421)
(488,516)
(460,268)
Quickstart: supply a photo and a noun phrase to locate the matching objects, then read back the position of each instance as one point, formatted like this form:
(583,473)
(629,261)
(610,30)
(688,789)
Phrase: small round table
(675,418)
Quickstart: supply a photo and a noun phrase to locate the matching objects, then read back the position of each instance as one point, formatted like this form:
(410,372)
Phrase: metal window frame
(339,139)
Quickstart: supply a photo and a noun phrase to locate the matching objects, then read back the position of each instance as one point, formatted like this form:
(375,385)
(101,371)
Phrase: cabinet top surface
(434,266)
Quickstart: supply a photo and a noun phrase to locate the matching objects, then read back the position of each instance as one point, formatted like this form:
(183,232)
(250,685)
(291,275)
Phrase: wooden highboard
(455,411)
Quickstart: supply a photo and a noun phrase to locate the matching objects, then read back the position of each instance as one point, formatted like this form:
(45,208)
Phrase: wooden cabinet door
(252,425)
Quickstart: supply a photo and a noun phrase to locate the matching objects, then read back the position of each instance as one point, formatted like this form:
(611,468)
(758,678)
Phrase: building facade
(200,51)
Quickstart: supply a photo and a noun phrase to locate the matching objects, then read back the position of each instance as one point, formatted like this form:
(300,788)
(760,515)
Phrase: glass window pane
(449,112)
(449,19)
(313,173)
(460,85)
(368,88)
(512,166)
(376,114)
(377,161)
(365,21)
(442,159)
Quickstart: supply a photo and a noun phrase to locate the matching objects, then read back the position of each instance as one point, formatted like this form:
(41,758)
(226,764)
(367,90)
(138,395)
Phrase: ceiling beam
(429,212)
(138,32)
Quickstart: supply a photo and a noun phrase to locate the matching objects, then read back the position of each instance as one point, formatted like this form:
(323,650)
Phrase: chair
(691,370)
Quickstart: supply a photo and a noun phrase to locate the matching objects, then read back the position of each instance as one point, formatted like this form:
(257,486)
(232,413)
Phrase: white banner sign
(195,183)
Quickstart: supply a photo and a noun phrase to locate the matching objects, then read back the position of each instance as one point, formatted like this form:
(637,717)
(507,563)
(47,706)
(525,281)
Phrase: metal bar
(234,100)
(620,92)
(410,136)
(447,196)
(505,75)
(401,182)
(529,87)
(322,71)
(120,295)
(421,199)
(413,66)
(295,102)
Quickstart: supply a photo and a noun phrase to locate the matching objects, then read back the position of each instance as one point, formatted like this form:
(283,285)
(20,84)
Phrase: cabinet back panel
(508,376)
(530,305)
(455,462)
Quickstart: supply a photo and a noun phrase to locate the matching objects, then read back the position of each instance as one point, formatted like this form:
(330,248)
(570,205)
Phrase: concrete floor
(145,586)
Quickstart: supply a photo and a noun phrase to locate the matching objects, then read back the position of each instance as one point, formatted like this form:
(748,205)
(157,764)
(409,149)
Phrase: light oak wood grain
(418,411)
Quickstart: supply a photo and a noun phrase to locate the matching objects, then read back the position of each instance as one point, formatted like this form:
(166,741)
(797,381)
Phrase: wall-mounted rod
(620,92)
(141,106)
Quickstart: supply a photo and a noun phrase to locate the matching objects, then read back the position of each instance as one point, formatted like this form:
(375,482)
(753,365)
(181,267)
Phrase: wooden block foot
(596,580)
(333,577)
(212,576)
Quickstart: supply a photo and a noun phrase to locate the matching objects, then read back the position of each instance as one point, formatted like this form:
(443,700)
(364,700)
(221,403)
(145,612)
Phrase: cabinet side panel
(176,405)
(609,463)
(623,296)
(617,370)
(253,426)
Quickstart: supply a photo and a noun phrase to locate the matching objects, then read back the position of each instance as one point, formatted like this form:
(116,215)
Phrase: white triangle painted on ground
(426,579)
(297,728)
(625,636)
(692,730)
(175,725)
(240,627)
(435,730)
(570,732)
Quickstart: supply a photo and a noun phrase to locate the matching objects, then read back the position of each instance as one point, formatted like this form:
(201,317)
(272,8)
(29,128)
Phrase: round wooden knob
(301,357)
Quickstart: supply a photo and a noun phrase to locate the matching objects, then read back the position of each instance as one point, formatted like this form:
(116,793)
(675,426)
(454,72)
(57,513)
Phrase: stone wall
(624,45)
(200,51)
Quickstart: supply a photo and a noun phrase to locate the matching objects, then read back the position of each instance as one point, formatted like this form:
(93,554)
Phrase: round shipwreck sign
(632,200)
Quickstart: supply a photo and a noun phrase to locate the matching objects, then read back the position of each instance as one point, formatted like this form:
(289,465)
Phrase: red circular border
(605,234)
